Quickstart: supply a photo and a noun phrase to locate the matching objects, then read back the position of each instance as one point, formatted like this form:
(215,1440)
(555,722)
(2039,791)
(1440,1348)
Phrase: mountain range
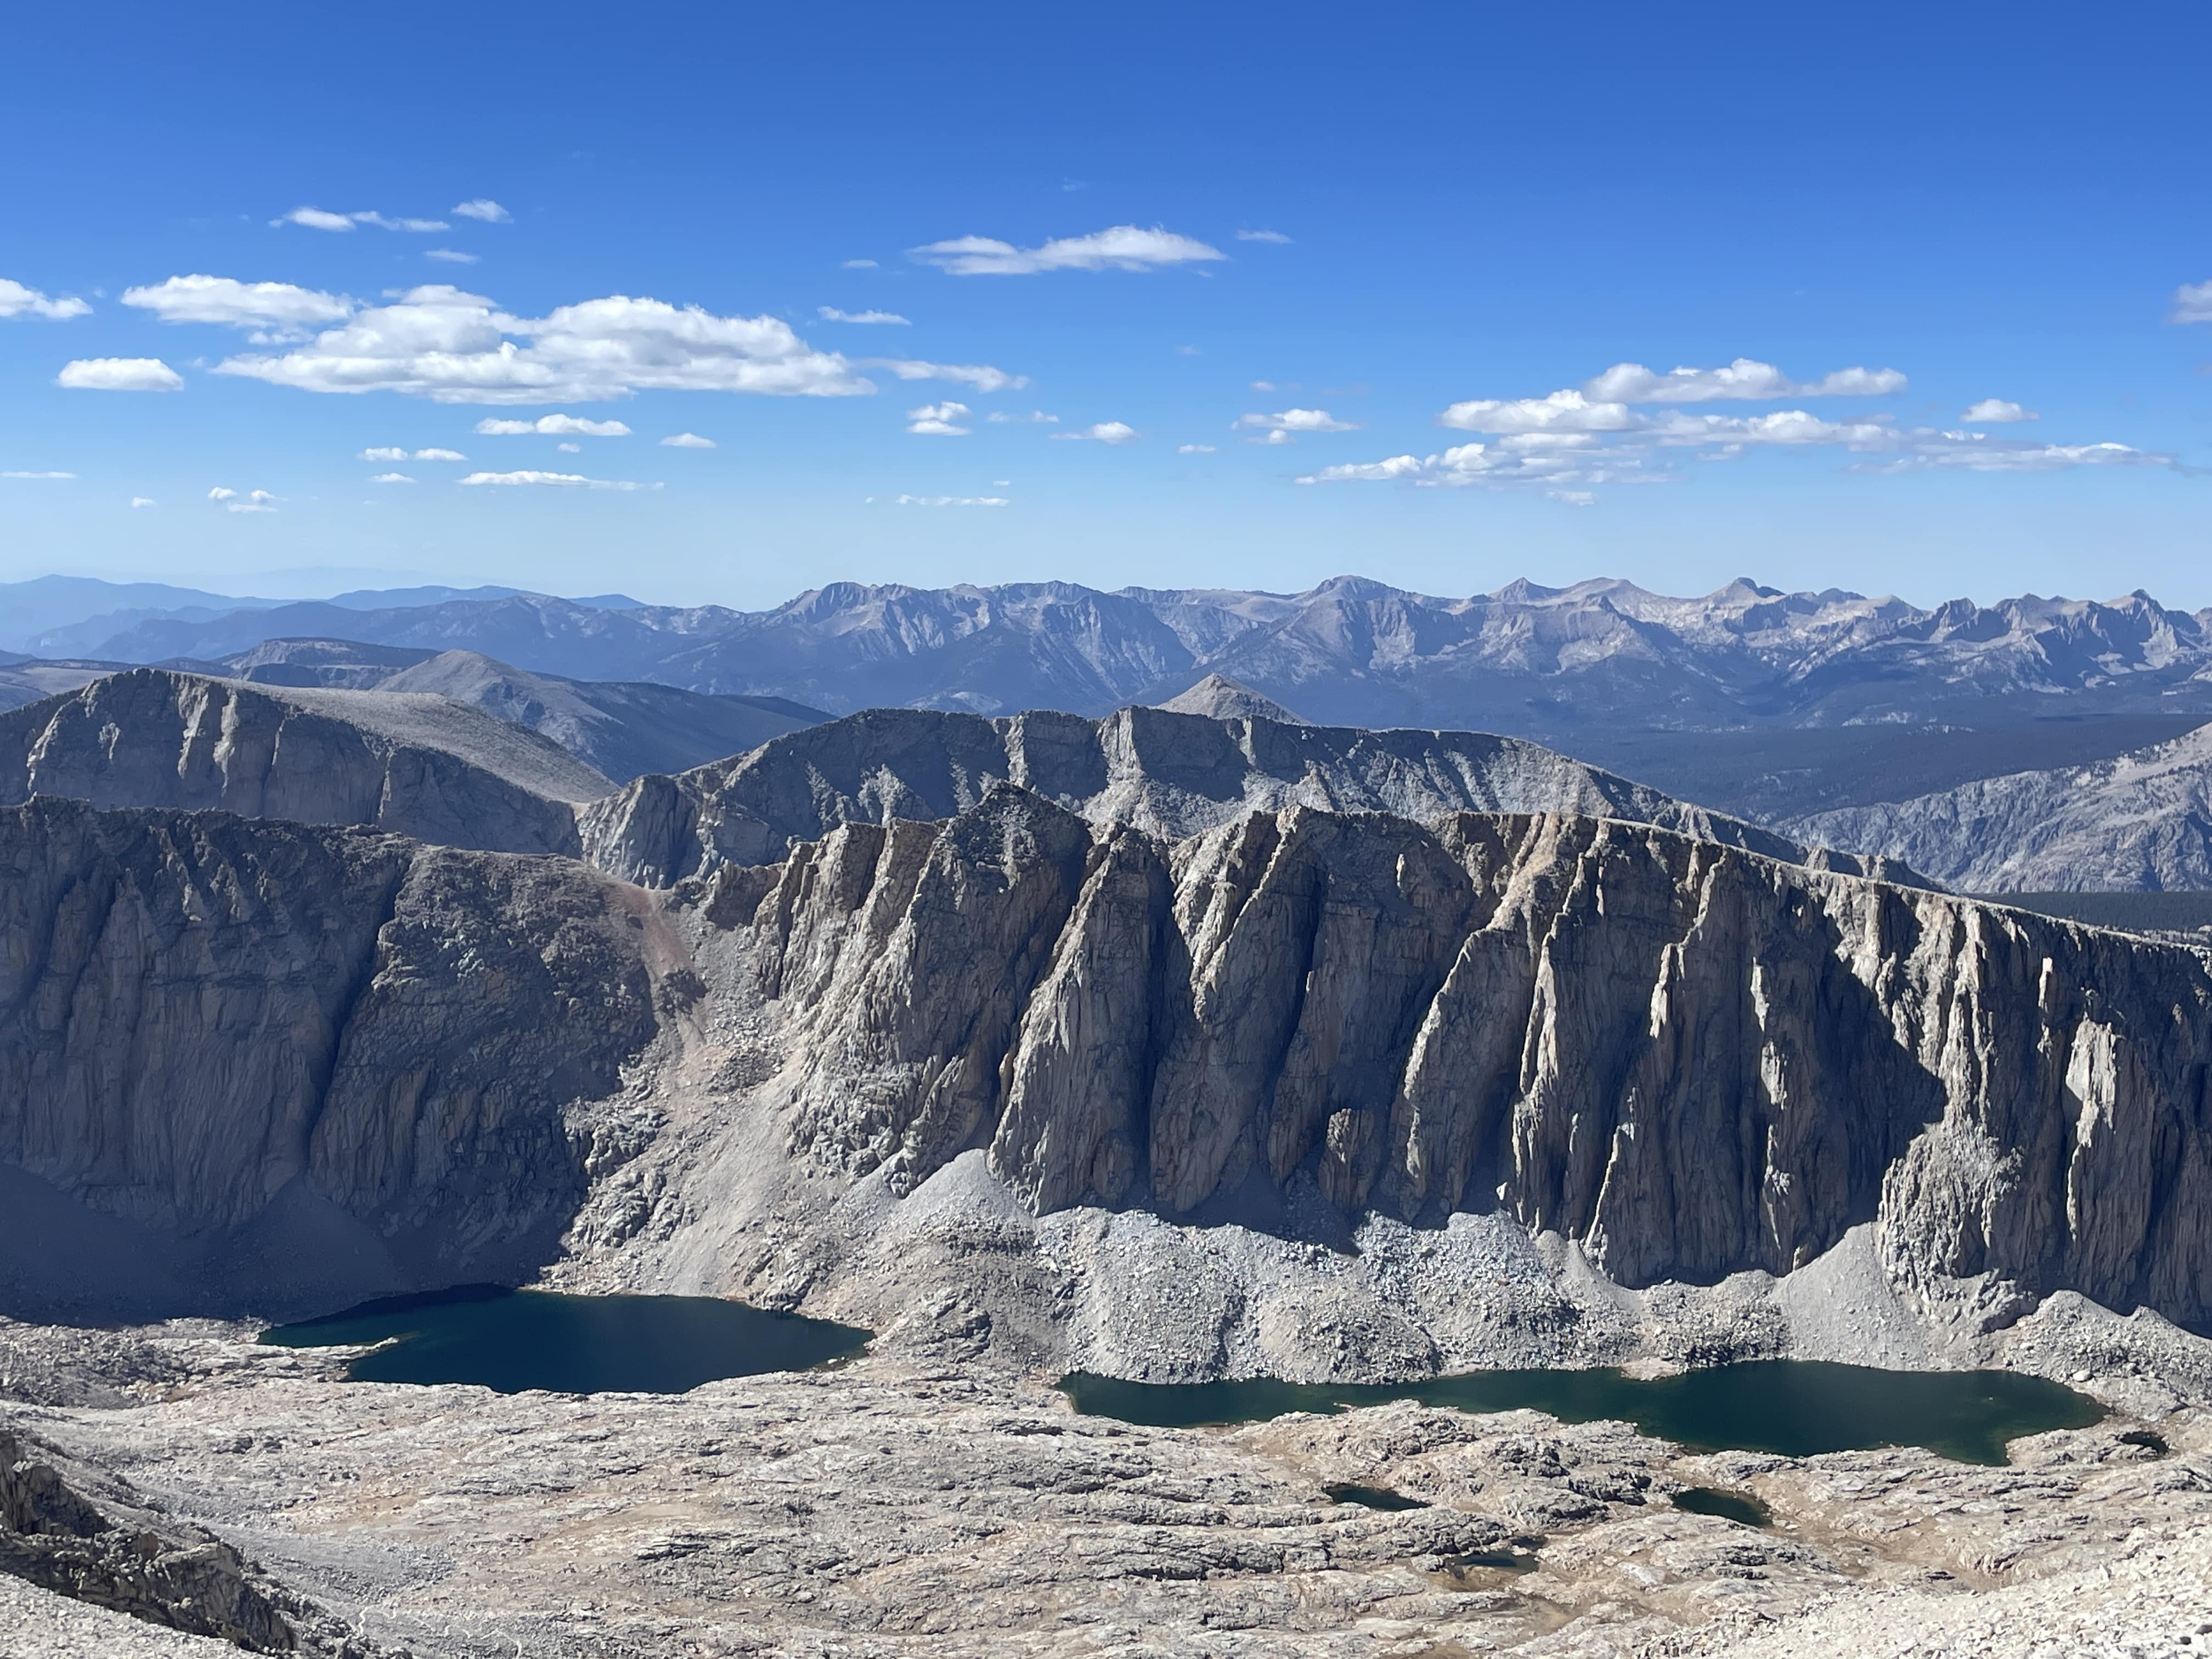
(1526,660)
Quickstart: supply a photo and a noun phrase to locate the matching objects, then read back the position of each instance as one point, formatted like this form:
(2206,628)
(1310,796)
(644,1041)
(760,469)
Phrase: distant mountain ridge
(1527,660)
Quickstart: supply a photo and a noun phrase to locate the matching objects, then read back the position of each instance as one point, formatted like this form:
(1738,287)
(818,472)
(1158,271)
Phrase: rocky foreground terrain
(924,1501)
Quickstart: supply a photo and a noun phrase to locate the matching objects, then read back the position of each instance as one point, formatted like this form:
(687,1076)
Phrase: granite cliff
(261,1064)
(279,1063)
(1690,1060)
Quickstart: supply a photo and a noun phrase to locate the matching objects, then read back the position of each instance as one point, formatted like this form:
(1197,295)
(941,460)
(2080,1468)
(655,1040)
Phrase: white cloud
(450,346)
(1744,379)
(1105,432)
(382,454)
(1560,411)
(144,500)
(1194,449)
(1123,248)
(559,480)
(687,440)
(1296,420)
(228,303)
(1263,385)
(1274,440)
(120,374)
(452,256)
(314,219)
(831,315)
(938,419)
(569,449)
(1034,417)
(391,478)
(858,264)
(2192,303)
(1998,411)
(485,209)
(1261,236)
(254,500)
(953,501)
(1572,497)
(37,475)
(16,300)
(553,426)
(1977,451)
(981,376)
(440,455)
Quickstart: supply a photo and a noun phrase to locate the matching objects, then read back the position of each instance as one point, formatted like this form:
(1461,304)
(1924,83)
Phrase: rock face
(619,729)
(2140,822)
(417,765)
(259,1062)
(1688,1060)
(1170,773)
(274,1062)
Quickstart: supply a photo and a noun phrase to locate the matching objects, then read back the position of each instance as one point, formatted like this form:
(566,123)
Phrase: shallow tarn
(1792,1408)
(512,1340)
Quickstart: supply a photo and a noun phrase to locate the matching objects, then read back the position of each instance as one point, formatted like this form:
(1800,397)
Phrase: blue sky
(1353,289)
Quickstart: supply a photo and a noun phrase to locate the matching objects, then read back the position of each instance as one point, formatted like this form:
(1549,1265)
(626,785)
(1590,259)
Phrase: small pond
(1795,1407)
(509,1340)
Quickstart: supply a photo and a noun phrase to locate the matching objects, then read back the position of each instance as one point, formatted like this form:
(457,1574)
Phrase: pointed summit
(1221,698)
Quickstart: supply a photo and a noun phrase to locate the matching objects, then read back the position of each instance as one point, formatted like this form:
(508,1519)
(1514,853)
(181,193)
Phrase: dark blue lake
(1795,1407)
(510,1340)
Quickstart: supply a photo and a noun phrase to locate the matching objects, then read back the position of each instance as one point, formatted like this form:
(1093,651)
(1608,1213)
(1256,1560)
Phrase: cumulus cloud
(451,346)
(1194,449)
(232,304)
(552,426)
(1105,432)
(1998,411)
(220,494)
(1261,236)
(1560,411)
(1034,417)
(557,480)
(391,478)
(120,374)
(1123,248)
(385,452)
(1294,420)
(16,300)
(1744,379)
(953,501)
(440,455)
(144,500)
(687,440)
(2192,303)
(254,500)
(38,475)
(938,419)
(981,376)
(482,208)
(569,449)
(452,256)
(831,315)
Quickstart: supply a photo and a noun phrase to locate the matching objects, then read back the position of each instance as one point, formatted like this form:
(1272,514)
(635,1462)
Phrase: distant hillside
(620,728)
(420,765)
(1168,773)
(2141,821)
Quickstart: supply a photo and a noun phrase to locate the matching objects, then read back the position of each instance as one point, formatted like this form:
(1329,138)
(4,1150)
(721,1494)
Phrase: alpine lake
(510,1340)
